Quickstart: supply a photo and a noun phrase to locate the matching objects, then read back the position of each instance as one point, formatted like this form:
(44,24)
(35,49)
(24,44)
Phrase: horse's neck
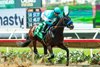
(59,29)
(58,34)
(60,25)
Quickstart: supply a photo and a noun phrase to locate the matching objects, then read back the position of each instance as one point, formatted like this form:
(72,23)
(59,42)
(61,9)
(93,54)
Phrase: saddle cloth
(38,29)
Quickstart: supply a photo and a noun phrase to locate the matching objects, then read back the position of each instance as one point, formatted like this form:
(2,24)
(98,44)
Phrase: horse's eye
(64,19)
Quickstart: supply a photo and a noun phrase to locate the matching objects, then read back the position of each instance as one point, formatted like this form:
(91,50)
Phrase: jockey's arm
(48,23)
(53,22)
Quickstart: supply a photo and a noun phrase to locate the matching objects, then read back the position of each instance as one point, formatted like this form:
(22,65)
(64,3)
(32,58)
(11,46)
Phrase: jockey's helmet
(57,10)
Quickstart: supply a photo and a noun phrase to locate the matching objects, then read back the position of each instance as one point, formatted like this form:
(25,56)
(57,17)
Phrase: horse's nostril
(71,27)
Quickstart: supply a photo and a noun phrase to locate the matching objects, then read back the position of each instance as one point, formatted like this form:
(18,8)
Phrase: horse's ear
(66,10)
(67,14)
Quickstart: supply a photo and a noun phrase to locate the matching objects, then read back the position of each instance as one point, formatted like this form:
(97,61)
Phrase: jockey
(49,17)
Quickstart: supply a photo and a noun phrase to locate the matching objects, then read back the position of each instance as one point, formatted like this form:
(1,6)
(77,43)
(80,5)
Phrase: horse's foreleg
(67,51)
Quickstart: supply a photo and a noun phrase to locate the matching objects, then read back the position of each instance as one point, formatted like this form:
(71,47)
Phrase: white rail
(12,32)
(96,32)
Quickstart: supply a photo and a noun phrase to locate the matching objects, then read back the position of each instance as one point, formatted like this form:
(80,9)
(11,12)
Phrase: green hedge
(98,16)
(81,7)
(76,56)
(71,7)
(82,19)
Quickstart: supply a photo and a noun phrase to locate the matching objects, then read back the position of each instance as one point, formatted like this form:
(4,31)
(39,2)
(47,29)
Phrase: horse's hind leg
(34,46)
(61,45)
(51,53)
(45,49)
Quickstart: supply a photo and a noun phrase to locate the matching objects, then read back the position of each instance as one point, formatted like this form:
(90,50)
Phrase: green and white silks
(38,32)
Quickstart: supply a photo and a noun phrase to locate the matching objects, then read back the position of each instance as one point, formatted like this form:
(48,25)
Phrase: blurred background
(84,13)
(17,16)
(22,14)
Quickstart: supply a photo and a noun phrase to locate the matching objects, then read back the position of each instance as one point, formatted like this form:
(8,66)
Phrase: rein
(57,25)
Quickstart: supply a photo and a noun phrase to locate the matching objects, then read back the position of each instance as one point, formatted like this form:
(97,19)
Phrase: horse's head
(68,22)
(65,21)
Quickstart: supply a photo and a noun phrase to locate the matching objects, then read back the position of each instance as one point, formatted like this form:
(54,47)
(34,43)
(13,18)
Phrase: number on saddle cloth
(38,32)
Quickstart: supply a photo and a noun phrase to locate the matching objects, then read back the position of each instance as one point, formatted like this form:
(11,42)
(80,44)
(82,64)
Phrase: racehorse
(54,37)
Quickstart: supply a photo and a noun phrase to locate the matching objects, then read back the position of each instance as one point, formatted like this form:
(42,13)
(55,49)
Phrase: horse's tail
(31,31)
(24,44)
(29,38)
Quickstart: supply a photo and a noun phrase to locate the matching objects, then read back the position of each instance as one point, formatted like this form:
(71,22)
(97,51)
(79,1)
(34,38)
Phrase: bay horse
(54,37)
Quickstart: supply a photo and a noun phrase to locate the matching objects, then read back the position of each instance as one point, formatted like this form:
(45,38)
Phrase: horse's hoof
(49,64)
(67,64)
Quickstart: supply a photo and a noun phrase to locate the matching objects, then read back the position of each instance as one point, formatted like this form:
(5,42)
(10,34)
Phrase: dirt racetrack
(66,66)
(43,65)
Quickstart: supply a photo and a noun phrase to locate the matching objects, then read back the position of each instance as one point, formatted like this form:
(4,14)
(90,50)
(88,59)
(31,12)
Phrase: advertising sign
(20,4)
(7,4)
(28,3)
(98,13)
(96,20)
(13,18)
